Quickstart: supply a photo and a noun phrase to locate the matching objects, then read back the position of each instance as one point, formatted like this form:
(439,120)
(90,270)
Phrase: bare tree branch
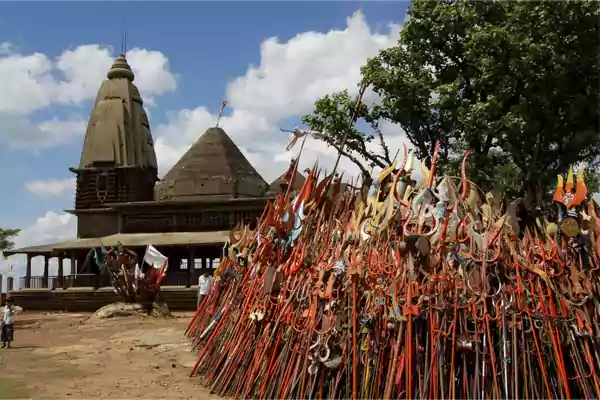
(373,158)
(352,158)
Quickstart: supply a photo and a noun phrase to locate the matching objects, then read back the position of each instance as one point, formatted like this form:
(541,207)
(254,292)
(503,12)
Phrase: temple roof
(276,185)
(214,167)
(128,240)
(121,69)
(118,131)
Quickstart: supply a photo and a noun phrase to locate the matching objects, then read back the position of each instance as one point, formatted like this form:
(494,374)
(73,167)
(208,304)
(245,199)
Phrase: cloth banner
(155,258)
(158,261)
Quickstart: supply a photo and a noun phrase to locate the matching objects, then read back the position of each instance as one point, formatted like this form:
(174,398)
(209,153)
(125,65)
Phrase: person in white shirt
(7,333)
(204,283)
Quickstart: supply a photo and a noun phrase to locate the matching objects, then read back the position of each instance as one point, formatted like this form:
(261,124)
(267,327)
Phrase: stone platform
(90,299)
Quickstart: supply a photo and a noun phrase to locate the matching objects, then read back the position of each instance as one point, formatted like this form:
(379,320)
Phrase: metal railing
(175,279)
(90,280)
(37,282)
(68,281)
(86,280)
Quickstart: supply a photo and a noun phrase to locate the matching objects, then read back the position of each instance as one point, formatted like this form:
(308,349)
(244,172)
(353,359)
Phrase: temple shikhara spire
(118,145)
(122,207)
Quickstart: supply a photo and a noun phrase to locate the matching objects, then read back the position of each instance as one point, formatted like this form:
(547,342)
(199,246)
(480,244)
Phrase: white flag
(155,258)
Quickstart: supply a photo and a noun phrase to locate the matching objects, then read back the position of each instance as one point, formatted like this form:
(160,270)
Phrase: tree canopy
(6,238)
(516,82)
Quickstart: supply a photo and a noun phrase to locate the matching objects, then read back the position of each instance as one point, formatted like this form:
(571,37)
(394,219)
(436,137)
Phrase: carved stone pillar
(192,276)
(61,282)
(71,263)
(46,271)
(28,272)
(68,281)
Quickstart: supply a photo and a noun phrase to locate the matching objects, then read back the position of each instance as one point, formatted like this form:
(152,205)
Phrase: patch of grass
(13,389)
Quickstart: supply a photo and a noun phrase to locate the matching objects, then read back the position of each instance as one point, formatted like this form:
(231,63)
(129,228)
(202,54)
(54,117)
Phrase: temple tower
(118,162)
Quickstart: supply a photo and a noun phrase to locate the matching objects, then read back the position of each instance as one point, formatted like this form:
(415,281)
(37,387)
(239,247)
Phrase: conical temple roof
(276,186)
(213,168)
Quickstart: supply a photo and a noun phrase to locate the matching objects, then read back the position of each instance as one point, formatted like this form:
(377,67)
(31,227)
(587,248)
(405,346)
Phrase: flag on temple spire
(223,105)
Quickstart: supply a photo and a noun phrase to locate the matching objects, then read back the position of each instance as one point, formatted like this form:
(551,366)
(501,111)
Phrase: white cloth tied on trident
(300,133)
(155,258)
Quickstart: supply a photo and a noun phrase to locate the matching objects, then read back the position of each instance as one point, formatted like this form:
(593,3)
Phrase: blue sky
(270,60)
(208,46)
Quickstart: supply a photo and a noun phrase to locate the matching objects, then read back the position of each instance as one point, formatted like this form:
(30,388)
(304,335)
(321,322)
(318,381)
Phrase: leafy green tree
(332,116)
(6,238)
(516,82)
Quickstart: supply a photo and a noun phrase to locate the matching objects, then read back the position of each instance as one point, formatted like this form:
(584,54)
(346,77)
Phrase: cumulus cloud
(32,82)
(21,133)
(57,188)
(50,228)
(290,77)
(86,66)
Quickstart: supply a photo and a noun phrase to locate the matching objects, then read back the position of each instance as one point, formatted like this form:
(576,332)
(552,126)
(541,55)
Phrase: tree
(517,82)
(6,238)
(332,116)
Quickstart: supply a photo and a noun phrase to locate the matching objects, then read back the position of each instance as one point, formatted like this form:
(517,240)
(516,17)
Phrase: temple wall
(189,188)
(92,225)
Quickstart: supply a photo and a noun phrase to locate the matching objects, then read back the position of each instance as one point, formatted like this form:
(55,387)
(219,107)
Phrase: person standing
(7,334)
(204,284)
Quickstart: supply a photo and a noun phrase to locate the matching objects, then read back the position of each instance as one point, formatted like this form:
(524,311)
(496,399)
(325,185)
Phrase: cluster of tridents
(120,263)
(432,291)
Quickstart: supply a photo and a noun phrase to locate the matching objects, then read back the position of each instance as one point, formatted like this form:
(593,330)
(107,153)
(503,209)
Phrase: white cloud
(86,66)
(50,228)
(60,188)
(290,77)
(5,48)
(31,82)
(21,133)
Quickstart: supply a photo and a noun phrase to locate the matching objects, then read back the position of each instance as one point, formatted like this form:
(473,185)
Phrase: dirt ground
(62,355)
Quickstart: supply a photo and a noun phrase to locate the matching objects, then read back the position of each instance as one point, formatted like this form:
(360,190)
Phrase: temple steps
(90,300)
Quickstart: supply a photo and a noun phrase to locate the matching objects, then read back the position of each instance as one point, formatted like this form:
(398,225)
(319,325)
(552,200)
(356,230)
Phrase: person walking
(204,284)
(7,333)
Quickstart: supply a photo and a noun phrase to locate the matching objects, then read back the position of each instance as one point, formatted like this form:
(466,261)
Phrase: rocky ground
(62,355)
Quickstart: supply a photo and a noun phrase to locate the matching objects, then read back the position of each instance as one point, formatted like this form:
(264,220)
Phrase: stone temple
(187,215)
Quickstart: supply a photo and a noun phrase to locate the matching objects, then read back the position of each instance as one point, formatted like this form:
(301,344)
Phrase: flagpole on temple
(223,105)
